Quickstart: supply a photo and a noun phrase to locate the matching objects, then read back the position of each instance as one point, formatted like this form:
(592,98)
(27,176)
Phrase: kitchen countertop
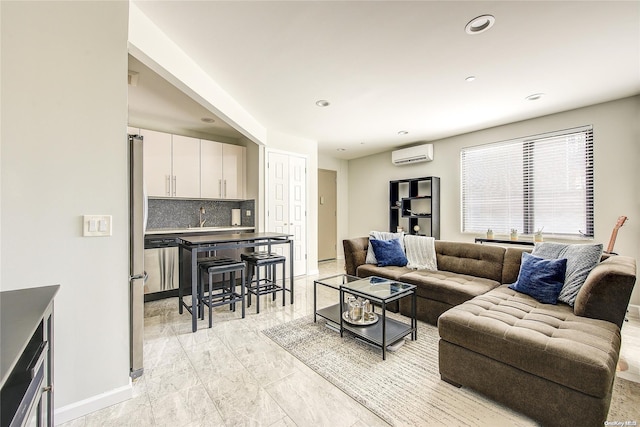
(20,315)
(221,229)
(237,237)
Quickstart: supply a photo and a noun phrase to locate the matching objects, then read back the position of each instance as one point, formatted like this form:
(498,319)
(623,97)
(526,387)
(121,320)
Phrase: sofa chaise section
(555,363)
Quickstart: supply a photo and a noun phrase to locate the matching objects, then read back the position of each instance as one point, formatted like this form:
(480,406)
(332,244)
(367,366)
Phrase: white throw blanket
(421,252)
(381,235)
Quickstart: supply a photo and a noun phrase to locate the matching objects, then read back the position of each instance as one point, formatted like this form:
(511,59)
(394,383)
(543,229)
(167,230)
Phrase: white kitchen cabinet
(157,163)
(222,170)
(171,164)
(211,169)
(233,171)
(181,166)
(186,166)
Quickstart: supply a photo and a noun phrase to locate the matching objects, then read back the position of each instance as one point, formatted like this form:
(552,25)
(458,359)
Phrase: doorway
(327,214)
(286,204)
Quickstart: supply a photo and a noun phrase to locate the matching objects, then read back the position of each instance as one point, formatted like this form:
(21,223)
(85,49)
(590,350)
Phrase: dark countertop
(229,238)
(21,311)
(191,230)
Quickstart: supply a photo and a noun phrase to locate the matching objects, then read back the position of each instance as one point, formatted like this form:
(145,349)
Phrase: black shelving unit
(414,202)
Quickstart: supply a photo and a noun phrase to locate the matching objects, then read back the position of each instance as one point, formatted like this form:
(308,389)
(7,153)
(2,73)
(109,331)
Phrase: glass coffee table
(379,291)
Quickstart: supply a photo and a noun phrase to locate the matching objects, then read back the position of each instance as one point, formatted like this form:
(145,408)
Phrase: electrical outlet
(248,212)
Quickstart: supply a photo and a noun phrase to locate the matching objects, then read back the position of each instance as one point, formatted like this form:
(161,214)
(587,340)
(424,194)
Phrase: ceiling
(389,67)
(156,104)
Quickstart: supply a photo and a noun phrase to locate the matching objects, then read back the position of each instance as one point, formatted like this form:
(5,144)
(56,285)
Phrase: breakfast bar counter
(191,246)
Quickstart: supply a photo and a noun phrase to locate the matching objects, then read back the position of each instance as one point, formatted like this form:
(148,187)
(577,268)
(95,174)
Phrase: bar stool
(267,284)
(226,291)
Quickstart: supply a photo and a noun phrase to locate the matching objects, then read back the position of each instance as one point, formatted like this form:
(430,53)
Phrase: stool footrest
(265,289)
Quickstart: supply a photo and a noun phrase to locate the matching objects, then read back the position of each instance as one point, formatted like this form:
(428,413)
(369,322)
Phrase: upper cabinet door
(181,166)
(211,184)
(157,163)
(233,171)
(186,167)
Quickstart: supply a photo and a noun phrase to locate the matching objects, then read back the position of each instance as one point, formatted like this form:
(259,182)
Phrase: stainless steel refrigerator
(137,275)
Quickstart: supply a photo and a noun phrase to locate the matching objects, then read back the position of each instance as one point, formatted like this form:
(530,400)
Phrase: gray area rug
(406,389)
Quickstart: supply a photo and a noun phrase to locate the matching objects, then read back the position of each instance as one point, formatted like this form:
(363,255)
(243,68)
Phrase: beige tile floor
(233,375)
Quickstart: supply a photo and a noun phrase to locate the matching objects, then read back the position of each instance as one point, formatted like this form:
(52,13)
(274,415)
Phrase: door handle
(167,185)
(139,276)
(175,181)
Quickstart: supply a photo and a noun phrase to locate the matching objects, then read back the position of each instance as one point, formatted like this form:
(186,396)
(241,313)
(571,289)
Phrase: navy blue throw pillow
(541,278)
(388,252)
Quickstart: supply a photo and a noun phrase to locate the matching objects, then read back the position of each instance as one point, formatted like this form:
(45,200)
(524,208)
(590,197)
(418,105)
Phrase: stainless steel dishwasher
(161,264)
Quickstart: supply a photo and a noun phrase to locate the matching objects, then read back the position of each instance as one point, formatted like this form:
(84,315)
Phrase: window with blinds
(539,182)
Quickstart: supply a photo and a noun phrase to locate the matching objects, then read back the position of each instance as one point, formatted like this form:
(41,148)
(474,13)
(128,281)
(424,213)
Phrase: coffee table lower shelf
(394,329)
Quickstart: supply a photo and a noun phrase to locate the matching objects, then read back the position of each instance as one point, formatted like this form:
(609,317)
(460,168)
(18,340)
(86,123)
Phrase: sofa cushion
(541,278)
(391,272)
(581,259)
(447,287)
(511,265)
(471,259)
(544,340)
(388,252)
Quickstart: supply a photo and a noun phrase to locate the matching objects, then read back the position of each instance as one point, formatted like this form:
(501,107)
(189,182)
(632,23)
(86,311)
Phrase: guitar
(614,234)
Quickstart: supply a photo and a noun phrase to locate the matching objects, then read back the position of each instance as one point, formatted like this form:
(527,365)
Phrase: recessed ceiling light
(403,132)
(470,78)
(480,24)
(207,120)
(534,97)
(323,103)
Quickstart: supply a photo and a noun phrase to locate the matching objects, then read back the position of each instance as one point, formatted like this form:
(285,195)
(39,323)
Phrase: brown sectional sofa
(554,363)
(465,270)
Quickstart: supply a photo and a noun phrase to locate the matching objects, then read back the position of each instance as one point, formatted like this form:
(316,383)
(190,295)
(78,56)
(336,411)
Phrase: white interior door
(286,204)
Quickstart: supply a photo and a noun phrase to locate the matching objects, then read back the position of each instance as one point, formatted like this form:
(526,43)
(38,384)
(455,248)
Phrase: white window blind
(538,182)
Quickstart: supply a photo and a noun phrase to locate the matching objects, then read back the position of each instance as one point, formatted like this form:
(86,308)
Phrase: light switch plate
(96,225)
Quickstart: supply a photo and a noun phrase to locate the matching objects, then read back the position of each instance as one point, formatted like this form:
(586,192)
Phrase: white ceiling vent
(420,153)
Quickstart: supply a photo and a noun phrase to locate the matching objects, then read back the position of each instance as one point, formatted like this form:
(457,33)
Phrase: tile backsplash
(182,213)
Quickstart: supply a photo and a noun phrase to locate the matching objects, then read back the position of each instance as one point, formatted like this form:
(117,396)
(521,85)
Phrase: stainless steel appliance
(137,275)
(161,265)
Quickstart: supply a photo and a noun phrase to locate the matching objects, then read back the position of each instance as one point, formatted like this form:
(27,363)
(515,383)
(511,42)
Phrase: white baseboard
(634,311)
(92,404)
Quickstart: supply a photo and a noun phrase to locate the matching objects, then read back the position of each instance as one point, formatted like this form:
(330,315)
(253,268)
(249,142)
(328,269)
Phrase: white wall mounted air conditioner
(420,153)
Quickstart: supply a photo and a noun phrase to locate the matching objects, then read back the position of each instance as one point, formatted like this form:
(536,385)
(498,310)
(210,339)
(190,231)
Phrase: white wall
(342,177)
(64,154)
(617,175)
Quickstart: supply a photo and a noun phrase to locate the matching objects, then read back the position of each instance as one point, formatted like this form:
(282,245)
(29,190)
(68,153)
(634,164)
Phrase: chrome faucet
(202,212)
